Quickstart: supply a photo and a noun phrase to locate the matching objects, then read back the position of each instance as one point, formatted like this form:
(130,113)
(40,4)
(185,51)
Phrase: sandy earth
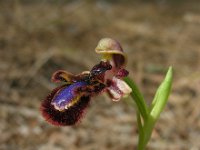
(39,38)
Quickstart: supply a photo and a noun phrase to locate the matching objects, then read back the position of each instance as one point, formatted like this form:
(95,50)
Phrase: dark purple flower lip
(66,104)
(66,117)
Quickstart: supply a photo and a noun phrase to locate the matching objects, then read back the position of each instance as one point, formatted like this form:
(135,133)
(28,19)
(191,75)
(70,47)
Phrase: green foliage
(147,116)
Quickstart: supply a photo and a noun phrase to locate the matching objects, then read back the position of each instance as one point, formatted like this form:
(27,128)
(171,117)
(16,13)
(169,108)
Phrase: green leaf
(158,104)
(161,95)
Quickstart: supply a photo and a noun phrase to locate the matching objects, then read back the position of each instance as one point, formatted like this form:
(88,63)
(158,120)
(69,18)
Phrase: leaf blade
(162,95)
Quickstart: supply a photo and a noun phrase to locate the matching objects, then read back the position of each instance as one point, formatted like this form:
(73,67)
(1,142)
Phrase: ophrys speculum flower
(66,104)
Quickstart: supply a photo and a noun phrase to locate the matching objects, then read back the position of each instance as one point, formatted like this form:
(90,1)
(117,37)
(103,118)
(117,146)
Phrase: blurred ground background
(40,37)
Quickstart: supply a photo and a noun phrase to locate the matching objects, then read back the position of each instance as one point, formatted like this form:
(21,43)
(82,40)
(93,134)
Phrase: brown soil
(38,38)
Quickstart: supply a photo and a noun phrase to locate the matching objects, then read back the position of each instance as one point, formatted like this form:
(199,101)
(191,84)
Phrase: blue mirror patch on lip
(66,95)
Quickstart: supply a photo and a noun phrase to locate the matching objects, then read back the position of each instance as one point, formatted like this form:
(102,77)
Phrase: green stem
(141,132)
(138,98)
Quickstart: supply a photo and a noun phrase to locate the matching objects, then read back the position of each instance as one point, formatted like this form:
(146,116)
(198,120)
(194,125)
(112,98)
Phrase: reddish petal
(113,94)
(117,89)
(62,75)
(119,60)
(122,73)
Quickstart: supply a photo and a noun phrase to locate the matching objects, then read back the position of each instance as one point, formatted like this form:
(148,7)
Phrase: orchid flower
(66,104)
